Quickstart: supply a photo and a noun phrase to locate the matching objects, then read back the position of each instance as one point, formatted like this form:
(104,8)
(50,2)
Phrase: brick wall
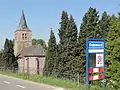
(31,66)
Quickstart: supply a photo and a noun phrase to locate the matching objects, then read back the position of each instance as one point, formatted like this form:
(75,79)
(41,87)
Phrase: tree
(62,44)
(104,24)
(12,58)
(70,51)
(113,55)
(112,35)
(1,58)
(113,71)
(5,55)
(62,30)
(50,56)
(8,54)
(39,41)
(89,29)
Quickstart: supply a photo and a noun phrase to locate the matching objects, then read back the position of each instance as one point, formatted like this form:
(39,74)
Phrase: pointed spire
(23,23)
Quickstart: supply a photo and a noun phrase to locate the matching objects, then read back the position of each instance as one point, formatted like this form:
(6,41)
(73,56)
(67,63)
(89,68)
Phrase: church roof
(23,23)
(34,50)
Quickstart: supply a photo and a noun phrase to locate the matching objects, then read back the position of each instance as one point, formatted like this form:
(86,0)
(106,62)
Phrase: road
(10,83)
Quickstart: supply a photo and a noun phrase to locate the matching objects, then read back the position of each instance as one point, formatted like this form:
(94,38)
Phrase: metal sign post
(95,58)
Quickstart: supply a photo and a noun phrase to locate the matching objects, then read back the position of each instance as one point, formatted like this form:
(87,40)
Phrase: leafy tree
(50,56)
(112,35)
(39,41)
(113,55)
(114,79)
(112,71)
(89,29)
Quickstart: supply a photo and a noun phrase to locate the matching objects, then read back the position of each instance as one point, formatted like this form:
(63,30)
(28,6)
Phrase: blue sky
(41,15)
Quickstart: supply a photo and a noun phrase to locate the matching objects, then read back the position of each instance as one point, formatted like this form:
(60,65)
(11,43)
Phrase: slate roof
(34,51)
(23,24)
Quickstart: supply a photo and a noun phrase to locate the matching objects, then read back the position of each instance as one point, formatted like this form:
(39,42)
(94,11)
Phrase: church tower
(22,36)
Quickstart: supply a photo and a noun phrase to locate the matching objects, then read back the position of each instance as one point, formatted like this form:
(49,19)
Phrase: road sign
(96,45)
(99,60)
(94,60)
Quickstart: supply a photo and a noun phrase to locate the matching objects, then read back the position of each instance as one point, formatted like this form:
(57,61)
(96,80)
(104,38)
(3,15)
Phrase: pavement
(11,83)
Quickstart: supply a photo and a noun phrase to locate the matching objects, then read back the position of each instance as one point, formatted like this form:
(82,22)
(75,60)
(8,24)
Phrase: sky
(41,15)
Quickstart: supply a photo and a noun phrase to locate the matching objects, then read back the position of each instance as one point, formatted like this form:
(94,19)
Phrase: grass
(68,84)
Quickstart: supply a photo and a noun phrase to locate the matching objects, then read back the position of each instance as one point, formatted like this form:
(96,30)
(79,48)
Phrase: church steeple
(23,23)
(22,36)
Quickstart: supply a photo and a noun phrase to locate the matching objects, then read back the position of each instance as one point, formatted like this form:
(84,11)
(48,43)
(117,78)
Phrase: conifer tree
(61,55)
(12,59)
(104,24)
(5,53)
(50,56)
(71,39)
(89,29)
(1,58)
(62,30)
(8,54)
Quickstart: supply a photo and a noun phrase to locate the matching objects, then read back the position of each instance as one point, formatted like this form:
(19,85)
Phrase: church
(31,58)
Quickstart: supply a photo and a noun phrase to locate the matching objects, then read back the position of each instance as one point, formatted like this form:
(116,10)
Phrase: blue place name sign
(96,45)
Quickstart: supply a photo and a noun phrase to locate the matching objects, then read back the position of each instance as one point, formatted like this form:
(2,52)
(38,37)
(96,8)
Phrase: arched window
(38,66)
(27,59)
(23,36)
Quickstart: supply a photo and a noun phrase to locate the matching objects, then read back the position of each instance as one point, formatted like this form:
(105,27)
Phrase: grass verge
(68,84)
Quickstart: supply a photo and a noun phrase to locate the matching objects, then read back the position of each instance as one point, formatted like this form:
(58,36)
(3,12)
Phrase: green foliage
(71,50)
(104,24)
(113,55)
(89,29)
(71,32)
(1,58)
(67,84)
(61,55)
(90,26)
(39,41)
(113,73)
(50,62)
(8,55)
(113,34)
(67,48)
(67,58)
(62,30)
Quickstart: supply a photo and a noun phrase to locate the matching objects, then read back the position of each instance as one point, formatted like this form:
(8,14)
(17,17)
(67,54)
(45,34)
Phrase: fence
(76,78)
(9,69)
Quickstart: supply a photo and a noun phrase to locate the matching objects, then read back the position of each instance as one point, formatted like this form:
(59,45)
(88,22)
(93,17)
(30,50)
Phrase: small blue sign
(96,45)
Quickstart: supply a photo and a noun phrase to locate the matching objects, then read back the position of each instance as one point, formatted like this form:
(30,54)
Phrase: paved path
(10,83)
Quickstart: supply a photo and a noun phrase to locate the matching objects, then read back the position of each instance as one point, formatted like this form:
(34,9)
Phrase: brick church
(31,58)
